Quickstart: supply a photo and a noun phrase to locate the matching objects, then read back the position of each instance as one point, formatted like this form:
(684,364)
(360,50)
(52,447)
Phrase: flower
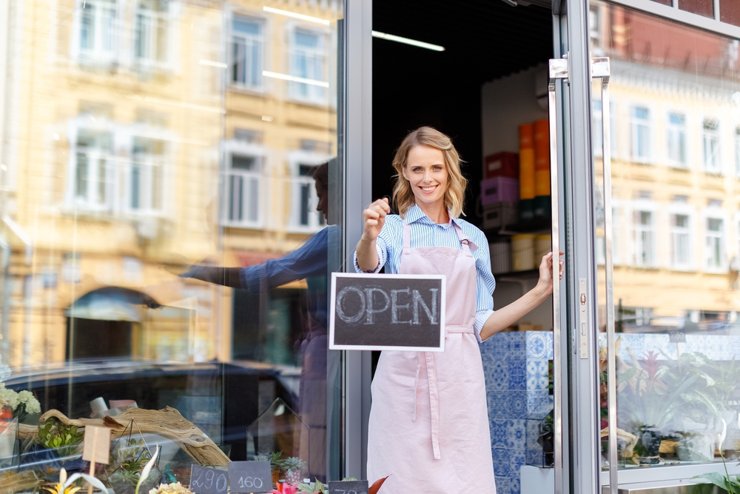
(8,397)
(173,488)
(66,485)
(20,403)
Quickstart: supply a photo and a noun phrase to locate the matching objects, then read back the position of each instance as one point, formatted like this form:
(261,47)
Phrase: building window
(677,140)
(247,52)
(97,30)
(152,32)
(644,231)
(305,199)
(715,252)
(641,134)
(93,170)
(308,64)
(680,240)
(710,138)
(144,176)
(243,194)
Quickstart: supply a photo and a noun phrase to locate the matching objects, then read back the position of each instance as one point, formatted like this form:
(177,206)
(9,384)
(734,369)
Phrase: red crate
(503,164)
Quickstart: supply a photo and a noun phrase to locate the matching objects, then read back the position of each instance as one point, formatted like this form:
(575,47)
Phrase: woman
(428,426)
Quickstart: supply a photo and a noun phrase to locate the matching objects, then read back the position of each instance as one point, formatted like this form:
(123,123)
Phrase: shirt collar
(414,214)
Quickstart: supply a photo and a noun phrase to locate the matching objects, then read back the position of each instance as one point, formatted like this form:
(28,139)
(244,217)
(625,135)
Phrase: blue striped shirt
(426,233)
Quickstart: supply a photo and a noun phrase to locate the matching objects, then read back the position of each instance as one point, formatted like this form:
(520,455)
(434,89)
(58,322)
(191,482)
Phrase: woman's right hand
(374,218)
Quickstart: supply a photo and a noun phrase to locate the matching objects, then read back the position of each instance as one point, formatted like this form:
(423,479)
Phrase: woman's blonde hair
(403,196)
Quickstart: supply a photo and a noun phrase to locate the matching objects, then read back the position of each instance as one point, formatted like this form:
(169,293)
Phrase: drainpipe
(18,231)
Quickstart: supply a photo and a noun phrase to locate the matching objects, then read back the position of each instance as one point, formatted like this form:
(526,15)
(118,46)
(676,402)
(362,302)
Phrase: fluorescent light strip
(292,78)
(296,15)
(408,41)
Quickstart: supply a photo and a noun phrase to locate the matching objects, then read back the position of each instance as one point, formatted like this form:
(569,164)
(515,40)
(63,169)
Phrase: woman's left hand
(544,284)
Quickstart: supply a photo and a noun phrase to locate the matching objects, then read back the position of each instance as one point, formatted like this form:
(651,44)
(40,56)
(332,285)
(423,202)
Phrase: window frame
(296,160)
(711,164)
(315,94)
(97,55)
(237,148)
(163,19)
(686,211)
(91,203)
(715,213)
(680,133)
(637,137)
(638,207)
(262,23)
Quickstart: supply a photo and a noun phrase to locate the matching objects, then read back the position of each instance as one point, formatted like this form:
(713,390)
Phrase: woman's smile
(427,174)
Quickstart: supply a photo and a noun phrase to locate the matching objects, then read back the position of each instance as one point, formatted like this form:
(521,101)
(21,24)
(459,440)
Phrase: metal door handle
(600,69)
(558,69)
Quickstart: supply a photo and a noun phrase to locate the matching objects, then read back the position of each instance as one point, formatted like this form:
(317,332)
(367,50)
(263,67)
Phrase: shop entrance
(490,79)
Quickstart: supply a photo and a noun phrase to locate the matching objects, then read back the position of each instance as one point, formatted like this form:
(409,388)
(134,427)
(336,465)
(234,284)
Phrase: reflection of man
(309,262)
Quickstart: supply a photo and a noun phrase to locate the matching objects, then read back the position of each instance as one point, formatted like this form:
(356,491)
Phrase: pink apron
(428,426)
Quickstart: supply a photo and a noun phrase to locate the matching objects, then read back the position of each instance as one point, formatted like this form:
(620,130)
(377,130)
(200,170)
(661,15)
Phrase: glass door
(666,182)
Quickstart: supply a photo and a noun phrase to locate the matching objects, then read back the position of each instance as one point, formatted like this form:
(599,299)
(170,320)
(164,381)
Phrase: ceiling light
(408,41)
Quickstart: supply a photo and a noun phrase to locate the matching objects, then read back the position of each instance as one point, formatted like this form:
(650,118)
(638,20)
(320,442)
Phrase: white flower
(27,398)
(174,488)
(8,397)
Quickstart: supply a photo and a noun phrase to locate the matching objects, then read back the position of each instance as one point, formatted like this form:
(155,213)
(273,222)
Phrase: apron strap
(427,359)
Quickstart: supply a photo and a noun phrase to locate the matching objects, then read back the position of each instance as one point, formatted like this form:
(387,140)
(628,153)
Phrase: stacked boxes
(499,189)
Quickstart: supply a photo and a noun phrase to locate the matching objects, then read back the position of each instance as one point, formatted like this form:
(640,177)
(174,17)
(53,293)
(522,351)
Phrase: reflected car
(223,399)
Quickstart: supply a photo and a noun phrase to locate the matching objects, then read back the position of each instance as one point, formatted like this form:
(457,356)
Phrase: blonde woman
(428,425)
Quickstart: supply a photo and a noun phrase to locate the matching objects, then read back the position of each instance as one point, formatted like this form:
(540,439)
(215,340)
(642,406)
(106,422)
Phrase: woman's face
(427,174)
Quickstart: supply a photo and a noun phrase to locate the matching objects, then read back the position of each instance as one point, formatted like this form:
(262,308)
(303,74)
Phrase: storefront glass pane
(675,103)
(168,187)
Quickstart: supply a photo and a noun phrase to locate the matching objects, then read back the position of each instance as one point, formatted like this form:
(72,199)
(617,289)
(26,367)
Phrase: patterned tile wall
(516,367)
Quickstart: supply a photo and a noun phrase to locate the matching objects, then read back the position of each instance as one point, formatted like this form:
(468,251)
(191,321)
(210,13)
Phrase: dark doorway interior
(483,39)
(98,339)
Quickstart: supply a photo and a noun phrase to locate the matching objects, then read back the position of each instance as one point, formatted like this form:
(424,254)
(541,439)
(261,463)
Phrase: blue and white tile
(537,374)
(537,344)
(517,370)
(503,484)
(539,403)
(515,485)
(499,433)
(516,434)
(502,462)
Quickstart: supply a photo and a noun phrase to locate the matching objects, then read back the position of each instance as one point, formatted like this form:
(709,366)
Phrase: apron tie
(427,359)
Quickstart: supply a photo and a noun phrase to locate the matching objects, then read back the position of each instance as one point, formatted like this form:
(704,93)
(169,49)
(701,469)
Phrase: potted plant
(658,396)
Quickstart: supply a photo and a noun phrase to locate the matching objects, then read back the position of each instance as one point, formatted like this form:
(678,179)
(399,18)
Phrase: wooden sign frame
(402,321)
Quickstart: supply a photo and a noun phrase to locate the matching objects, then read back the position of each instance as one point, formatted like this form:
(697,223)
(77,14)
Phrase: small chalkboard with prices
(250,476)
(348,487)
(208,480)
(387,312)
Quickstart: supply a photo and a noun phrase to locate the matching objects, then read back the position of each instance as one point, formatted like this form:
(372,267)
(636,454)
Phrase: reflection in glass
(675,282)
(148,140)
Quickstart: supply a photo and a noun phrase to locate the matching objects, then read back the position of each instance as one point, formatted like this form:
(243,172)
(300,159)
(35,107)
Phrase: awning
(112,303)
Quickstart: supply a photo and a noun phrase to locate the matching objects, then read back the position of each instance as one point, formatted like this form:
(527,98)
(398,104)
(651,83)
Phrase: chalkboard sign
(387,312)
(348,487)
(250,476)
(208,480)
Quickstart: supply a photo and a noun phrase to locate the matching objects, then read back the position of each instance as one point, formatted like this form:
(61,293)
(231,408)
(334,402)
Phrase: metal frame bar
(357,159)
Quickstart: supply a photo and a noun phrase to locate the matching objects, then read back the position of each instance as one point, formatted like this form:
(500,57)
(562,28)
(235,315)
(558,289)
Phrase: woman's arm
(508,315)
(373,220)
